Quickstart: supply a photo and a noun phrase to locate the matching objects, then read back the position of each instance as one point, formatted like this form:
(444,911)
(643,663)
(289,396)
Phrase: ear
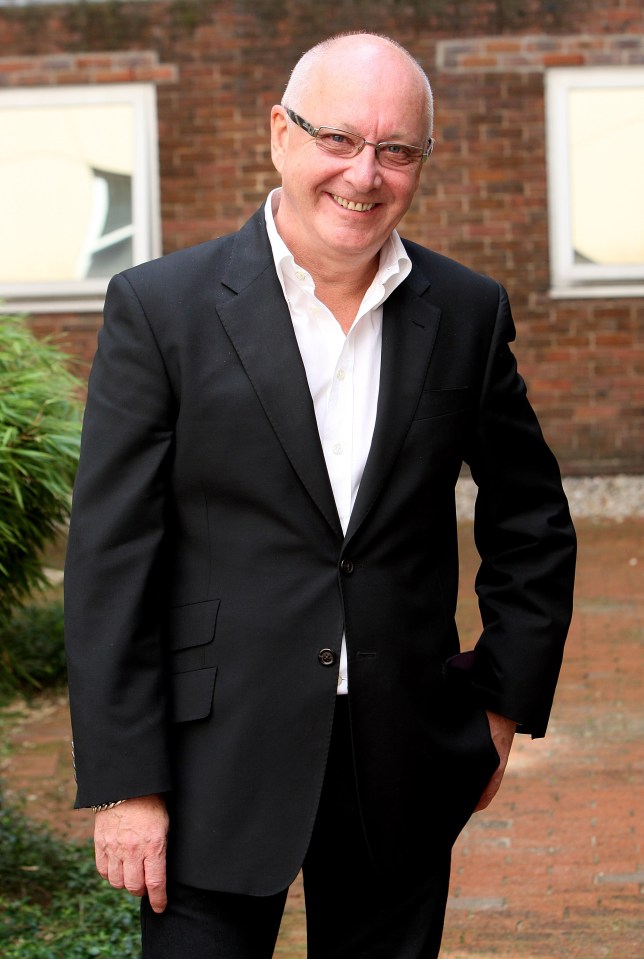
(279,137)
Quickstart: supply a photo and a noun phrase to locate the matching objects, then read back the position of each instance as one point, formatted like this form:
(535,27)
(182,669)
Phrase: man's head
(335,206)
(353,45)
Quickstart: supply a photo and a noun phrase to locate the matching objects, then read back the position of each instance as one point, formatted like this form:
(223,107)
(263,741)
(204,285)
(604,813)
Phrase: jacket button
(347,567)
(326,657)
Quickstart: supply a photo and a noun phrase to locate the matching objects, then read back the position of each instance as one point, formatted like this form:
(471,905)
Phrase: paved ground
(555,868)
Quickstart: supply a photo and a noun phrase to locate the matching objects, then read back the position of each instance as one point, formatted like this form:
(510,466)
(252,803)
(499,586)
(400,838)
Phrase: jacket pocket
(191,631)
(192,694)
(442,402)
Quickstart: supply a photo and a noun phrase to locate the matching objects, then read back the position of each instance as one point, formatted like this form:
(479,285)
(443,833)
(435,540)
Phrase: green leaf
(40,421)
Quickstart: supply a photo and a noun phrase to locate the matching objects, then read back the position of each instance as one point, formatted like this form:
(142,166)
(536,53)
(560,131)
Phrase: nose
(363,171)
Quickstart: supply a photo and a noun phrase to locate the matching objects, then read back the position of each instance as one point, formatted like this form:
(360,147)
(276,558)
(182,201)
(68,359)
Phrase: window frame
(88,294)
(570,279)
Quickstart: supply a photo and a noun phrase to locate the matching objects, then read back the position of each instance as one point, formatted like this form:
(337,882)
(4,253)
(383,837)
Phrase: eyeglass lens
(344,144)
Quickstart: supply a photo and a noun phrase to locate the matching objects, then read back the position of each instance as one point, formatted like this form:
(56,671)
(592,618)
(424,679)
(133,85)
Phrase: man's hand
(502,731)
(130,842)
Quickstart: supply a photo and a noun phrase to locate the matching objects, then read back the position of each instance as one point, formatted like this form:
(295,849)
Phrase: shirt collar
(394,266)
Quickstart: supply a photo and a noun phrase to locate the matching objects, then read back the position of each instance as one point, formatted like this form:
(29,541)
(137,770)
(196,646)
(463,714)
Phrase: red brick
(482,197)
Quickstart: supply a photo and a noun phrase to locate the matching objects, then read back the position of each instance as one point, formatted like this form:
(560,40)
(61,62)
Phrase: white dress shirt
(343,372)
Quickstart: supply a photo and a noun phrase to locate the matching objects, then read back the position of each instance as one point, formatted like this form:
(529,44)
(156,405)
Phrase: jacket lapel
(259,326)
(410,325)
(255,316)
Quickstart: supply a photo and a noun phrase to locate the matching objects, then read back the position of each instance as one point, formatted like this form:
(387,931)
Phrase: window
(78,191)
(595,130)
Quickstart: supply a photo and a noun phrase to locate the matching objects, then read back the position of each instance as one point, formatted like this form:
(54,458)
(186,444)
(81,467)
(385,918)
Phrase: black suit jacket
(207,567)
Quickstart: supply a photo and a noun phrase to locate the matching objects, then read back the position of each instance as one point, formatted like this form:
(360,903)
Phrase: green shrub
(32,653)
(53,904)
(39,443)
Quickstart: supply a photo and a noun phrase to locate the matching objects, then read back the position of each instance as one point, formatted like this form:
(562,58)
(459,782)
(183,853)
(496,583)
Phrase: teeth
(350,205)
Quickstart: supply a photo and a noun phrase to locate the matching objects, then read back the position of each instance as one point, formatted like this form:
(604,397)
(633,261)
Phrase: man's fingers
(115,873)
(130,845)
(155,883)
(134,877)
(109,867)
(490,791)
(101,861)
(139,877)
(502,731)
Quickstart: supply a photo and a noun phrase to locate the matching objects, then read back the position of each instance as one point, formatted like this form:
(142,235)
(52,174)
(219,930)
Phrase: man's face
(374,93)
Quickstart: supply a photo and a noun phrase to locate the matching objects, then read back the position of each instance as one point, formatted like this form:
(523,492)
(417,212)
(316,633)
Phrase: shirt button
(300,275)
(340,374)
(347,567)
(326,657)
(337,449)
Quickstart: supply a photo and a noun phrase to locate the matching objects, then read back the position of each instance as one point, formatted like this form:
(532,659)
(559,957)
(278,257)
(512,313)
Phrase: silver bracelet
(107,805)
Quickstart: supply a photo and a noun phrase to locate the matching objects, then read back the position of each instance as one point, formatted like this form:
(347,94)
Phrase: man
(262,565)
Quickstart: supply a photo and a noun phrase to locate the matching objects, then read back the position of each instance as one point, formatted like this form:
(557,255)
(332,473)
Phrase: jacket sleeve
(114,566)
(526,541)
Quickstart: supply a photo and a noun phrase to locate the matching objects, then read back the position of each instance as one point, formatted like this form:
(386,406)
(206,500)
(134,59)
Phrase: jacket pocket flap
(193,625)
(192,694)
(443,402)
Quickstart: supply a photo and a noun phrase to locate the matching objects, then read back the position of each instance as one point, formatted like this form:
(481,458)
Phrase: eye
(399,151)
(334,138)
(338,141)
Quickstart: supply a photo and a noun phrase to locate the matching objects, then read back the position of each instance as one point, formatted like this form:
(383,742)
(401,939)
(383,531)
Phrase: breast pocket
(192,668)
(443,402)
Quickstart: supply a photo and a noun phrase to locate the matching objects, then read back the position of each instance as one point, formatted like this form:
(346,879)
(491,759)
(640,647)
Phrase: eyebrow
(351,128)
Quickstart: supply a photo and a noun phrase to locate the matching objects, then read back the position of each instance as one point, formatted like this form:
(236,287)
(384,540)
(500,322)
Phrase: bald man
(265,674)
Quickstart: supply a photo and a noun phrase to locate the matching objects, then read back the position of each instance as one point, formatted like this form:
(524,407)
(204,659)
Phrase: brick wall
(219,67)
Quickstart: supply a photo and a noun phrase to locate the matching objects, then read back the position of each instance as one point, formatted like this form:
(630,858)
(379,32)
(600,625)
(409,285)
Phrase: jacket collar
(255,316)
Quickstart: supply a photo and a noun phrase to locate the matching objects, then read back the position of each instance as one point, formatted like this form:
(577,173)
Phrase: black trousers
(351,912)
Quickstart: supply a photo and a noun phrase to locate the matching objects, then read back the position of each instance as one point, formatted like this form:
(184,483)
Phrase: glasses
(339,143)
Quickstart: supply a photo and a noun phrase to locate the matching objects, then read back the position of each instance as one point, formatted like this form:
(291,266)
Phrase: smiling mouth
(351,205)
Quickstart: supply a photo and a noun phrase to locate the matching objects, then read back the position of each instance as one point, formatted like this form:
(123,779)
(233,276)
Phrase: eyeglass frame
(313,132)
